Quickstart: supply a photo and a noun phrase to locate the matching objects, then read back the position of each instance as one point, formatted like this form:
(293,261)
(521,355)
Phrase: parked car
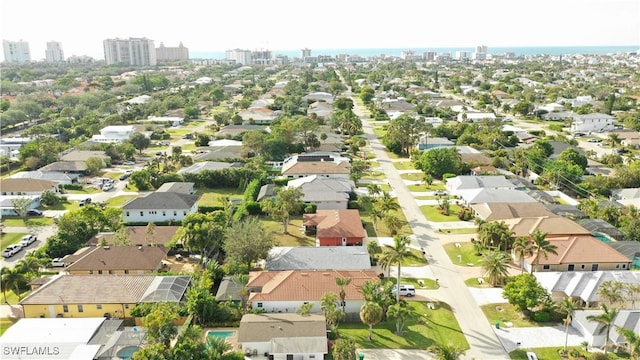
(594,140)
(84,202)
(128,163)
(57,262)
(34,212)
(439,193)
(125,176)
(11,250)
(405,290)
(28,240)
(108,186)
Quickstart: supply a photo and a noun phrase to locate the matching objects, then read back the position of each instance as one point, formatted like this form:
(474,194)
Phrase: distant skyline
(286,25)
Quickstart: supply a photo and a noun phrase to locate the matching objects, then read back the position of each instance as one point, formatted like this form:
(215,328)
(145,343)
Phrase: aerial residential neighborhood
(321,207)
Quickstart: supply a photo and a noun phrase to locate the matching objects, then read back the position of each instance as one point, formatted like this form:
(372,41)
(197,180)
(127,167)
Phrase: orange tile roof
(296,285)
(319,167)
(336,223)
(552,225)
(580,249)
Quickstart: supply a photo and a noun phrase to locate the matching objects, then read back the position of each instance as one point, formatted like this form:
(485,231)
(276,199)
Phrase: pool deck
(233,340)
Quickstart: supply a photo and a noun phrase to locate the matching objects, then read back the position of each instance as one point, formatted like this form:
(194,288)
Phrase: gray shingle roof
(318,258)
(159,201)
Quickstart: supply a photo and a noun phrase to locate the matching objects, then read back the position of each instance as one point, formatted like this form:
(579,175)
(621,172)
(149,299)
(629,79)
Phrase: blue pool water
(602,238)
(127,352)
(221,333)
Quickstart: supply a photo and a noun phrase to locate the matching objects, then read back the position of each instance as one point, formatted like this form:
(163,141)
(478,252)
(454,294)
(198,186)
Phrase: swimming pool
(127,352)
(222,333)
(602,237)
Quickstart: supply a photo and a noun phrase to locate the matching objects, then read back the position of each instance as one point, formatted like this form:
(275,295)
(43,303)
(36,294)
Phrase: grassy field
(412,176)
(552,353)
(295,237)
(432,213)
(505,312)
(415,259)
(85,190)
(467,252)
(379,131)
(471,230)
(473,282)
(381,229)
(374,175)
(423,328)
(118,201)
(405,165)
(29,222)
(428,284)
(211,197)
(7,239)
(5,323)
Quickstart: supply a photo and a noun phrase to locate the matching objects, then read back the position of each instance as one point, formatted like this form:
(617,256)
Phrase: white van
(405,290)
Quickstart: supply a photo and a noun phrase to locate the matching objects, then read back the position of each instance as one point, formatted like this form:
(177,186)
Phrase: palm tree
(613,140)
(387,203)
(633,341)
(374,190)
(342,282)
(395,254)
(12,279)
(446,352)
(567,306)
(393,223)
(496,266)
(541,246)
(242,280)
(373,248)
(605,319)
(376,214)
(332,314)
(216,347)
(522,248)
(371,314)
(612,291)
(496,234)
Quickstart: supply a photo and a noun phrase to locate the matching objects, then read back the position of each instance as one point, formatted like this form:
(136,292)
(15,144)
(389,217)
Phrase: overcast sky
(203,26)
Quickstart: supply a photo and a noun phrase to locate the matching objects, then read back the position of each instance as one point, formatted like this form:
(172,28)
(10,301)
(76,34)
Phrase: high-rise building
(54,53)
(261,57)
(170,54)
(243,57)
(16,51)
(132,51)
(480,53)
(306,53)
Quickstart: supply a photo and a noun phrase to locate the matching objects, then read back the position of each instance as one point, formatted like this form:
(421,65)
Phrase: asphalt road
(483,342)
(42,232)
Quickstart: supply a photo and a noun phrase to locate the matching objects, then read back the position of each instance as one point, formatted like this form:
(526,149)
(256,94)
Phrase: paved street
(42,232)
(484,343)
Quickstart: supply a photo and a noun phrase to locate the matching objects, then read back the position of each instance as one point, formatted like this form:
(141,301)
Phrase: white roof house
(114,134)
(466,182)
(593,331)
(478,196)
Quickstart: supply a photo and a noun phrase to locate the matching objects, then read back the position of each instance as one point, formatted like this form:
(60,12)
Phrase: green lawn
(295,237)
(374,175)
(405,165)
(30,221)
(85,190)
(12,298)
(428,284)
(422,329)
(5,323)
(178,132)
(506,312)
(412,176)
(432,213)
(379,131)
(418,188)
(381,229)
(472,230)
(415,259)
(211,197)
(111,175)
(473,282)
(7,239)
(467,252)
(118,201)
(552,353)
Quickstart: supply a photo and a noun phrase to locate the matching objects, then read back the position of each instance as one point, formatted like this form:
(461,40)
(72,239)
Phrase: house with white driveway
(595,122)
(14,186)
(114,134)
(594,332)
(468,182)
(159,207)
(325,193)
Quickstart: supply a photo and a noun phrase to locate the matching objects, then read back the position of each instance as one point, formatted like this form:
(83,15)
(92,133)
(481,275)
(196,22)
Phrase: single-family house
(318,258)
(138,235)
(208,165)
(321,109)
(476,196)
(178,187)
(628,196)
(476,116)
(286,291)
(320,168)
(13,186)
(131,259)
(159,207)
(8,203)
(599,226)
(559,116)
(578,253)
(325,193)
(583,287)
(101,295)
(485,170)
(335,227)
(236,130)
(566,210)
(84,155)
(60,178)
(170,120)
(630,249)
(319,96)
(258,115)
(73,167)
(507,210)
(114,134)
(595,122)
(594,333)
(552,225)
(283,336)
(10,146)
(467,182)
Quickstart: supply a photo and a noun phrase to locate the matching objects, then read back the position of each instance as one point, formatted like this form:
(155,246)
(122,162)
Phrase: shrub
(252,190)
(541,316)
(253,208)
(72,186)
(353,204)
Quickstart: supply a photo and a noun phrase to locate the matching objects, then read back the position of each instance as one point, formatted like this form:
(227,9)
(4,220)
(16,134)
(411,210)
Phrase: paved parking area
(534,337)
(485,296)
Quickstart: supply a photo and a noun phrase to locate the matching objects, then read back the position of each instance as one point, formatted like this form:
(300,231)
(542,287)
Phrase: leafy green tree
(344,349)
(139,141)
(160,323)
(154,351)
(50,198)
(439,161)
(94,165)
(605,320)
(21,205)
(401,312)
(496,266)
(572,156)
(404,131)
(371,314)
(285,203)
(332,313)
(395,254)
(524,292)
(246,241)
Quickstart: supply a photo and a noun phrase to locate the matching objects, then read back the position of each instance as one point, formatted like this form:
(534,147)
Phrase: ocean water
(519,51)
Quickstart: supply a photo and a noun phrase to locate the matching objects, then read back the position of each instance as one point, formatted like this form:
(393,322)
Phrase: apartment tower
(131,51)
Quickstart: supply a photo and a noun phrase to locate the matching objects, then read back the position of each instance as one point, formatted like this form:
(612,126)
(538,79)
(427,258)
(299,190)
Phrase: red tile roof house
(286,291)
(336,227)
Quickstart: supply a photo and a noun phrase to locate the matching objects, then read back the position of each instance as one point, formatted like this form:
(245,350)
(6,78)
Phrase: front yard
(465,251)
(212,197)
(433,213)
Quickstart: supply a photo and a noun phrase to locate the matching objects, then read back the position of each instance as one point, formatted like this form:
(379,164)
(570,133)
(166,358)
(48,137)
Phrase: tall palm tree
(30,265)
(371,314)
(387,203)
(605,319)
(613,140)
(393,223)
(633,341)
(374,190)
(446,352)
(376,214)
(496,266)
(567,306)
(522,248)
(242,280)
(342,282)
(542,247)
(612,291)
(496,234)
(395,254)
